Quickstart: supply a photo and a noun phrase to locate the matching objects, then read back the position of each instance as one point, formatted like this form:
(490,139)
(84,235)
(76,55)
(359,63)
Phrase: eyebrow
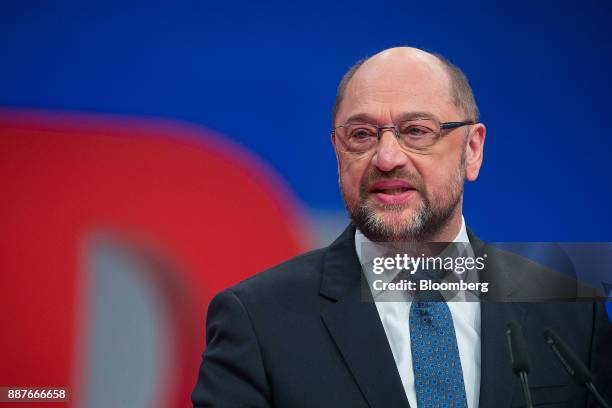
(367,118)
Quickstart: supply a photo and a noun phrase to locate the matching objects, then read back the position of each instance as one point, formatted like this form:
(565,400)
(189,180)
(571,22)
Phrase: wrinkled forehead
(385,88)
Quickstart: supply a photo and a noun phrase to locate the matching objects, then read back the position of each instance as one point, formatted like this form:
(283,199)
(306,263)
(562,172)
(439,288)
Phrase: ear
(474,151)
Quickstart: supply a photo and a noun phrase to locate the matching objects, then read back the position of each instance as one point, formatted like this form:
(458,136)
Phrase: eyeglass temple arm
(452,125)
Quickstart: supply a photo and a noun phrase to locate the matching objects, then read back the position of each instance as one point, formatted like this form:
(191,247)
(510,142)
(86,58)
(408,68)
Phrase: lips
(392,191)
(390,187)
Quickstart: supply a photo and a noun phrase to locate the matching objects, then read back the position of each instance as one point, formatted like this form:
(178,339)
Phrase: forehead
(386,87)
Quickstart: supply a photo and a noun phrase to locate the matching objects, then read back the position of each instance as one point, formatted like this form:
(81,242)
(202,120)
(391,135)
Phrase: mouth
(392,192)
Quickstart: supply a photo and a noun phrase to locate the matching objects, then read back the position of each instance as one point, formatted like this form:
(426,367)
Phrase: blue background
(265,75)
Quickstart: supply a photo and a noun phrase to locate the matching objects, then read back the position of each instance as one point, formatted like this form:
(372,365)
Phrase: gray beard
(426,222)
(428,219)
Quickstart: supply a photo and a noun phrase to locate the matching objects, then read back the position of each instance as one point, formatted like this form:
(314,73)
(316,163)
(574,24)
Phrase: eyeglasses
(415,134)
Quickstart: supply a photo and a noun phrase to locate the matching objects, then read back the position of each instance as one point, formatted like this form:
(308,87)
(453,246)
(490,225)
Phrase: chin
(393,215)
(394,218)
(392,224)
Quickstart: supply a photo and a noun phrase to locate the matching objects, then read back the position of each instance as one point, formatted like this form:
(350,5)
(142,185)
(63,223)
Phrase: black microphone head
(518,348)
(573,365)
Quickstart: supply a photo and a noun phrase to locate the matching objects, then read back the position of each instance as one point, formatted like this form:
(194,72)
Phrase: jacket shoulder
(299,274)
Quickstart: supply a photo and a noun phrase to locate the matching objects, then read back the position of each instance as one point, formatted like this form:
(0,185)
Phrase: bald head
(403,66)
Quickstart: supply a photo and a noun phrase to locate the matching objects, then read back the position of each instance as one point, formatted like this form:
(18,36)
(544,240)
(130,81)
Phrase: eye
(415,131)
(362,133)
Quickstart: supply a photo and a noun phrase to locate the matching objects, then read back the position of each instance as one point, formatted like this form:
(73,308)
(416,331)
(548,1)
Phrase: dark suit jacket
(299,335)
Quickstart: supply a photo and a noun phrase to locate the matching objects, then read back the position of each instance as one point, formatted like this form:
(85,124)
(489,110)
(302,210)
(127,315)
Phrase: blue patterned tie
(435,356)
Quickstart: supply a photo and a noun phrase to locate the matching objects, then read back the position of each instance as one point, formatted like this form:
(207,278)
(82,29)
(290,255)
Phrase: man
(406,136)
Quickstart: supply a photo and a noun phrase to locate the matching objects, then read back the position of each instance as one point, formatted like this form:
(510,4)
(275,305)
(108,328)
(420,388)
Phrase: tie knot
(424,280)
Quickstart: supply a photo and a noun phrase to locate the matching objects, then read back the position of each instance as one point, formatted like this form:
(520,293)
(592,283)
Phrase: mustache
(414,179)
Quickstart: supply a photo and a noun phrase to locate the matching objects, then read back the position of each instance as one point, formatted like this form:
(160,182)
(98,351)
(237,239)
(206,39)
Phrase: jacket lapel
(355,327)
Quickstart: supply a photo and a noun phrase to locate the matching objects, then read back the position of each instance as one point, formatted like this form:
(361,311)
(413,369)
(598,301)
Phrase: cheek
(438,174)
(351,173)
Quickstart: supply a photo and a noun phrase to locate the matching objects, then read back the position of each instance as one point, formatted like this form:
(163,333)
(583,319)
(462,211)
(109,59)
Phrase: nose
(389,154)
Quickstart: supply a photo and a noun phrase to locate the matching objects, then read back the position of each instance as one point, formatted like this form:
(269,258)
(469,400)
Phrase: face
(393,194)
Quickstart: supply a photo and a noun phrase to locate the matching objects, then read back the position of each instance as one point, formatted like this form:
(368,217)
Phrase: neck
(449,231)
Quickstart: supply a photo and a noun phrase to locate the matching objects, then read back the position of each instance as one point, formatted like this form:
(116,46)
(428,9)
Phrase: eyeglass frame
(380,128)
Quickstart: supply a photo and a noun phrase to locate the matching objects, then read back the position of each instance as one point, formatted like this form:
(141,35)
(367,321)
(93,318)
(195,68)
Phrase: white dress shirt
(466,320)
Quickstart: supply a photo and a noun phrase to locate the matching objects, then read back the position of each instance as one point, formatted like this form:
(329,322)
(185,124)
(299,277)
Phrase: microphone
(519,357)
(572,364)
